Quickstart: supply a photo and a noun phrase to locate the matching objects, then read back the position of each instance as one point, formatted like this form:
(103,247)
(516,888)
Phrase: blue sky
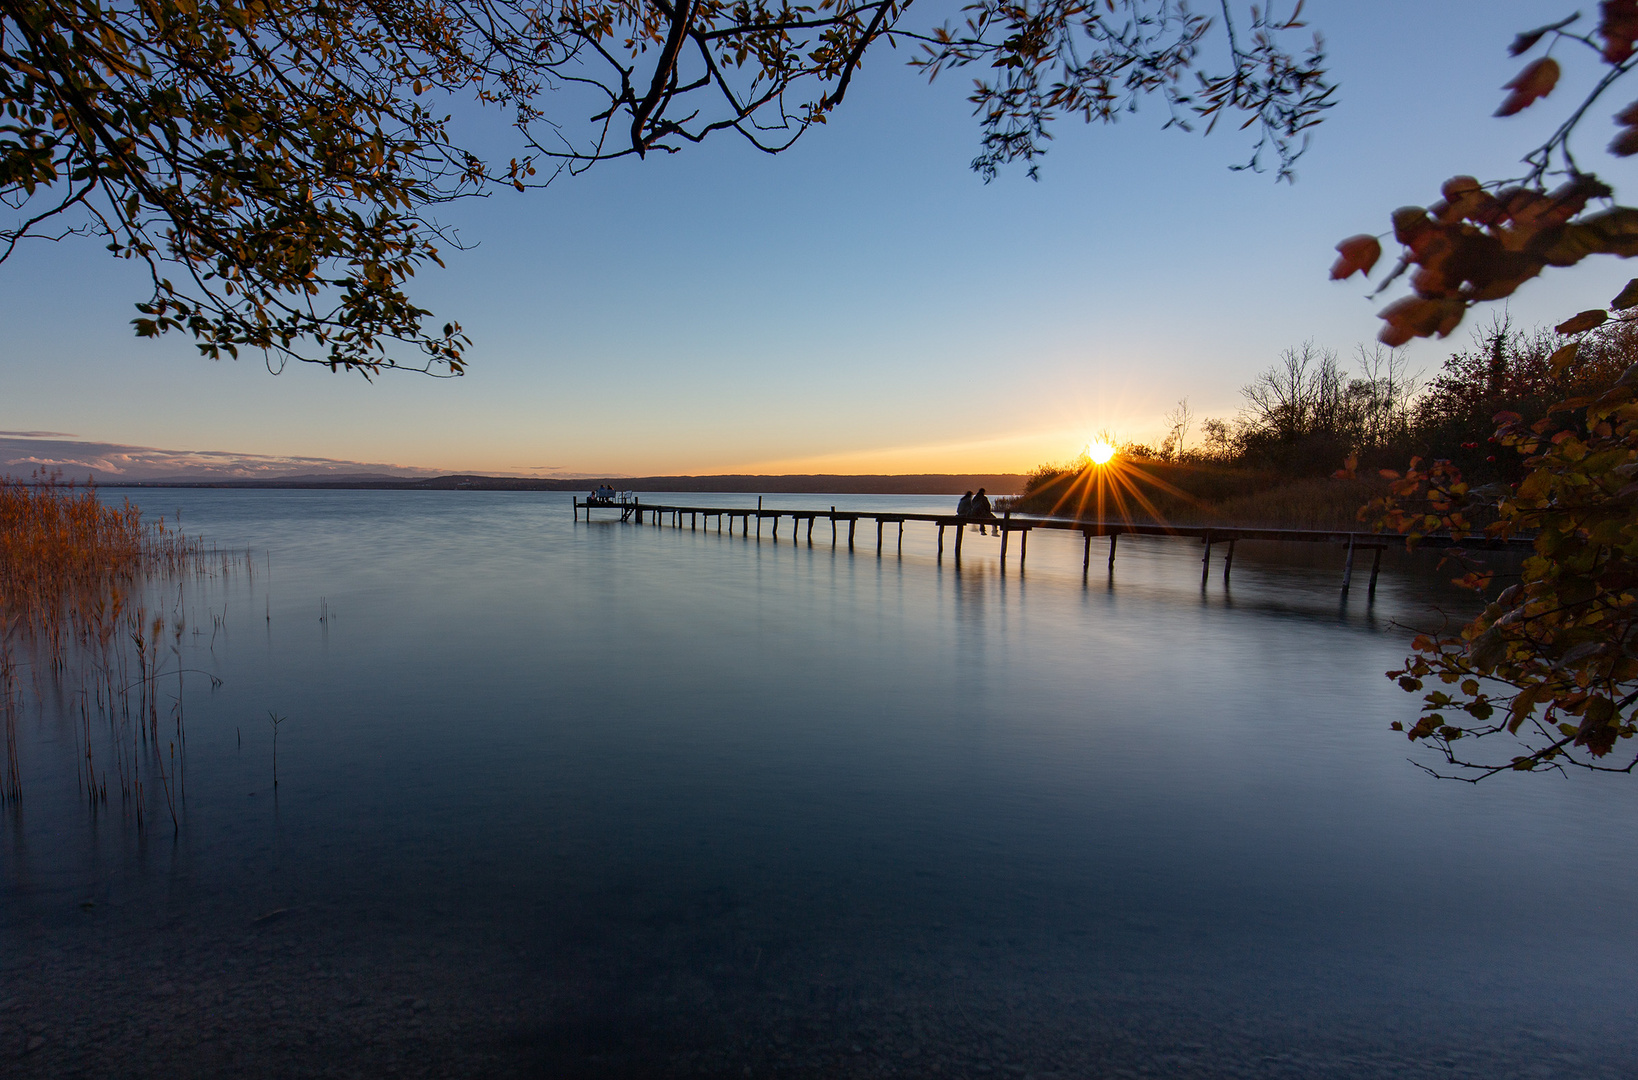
(863,303)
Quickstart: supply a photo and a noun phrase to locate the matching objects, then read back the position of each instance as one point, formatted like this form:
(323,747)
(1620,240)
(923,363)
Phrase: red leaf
(1358,253)
(1536,81)
(1618,27)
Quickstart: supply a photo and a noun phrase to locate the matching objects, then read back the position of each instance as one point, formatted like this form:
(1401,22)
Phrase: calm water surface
(564,799)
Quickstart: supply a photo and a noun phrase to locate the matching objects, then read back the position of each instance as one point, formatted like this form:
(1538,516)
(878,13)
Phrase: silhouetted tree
(275,164)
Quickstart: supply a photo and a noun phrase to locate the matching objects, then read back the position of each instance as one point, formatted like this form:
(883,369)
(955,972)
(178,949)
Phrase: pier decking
(1009,524)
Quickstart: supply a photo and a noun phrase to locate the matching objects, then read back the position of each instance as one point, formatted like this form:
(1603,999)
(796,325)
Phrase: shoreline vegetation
(1315,443)
(92,611)
(750,484)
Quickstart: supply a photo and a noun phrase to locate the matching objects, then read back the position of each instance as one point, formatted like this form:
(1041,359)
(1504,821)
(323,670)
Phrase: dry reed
(74,581)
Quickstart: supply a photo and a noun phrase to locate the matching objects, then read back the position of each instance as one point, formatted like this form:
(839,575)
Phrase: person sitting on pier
(965,507)
(981,512)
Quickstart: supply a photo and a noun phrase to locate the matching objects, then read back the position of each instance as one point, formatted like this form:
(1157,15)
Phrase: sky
(861,303)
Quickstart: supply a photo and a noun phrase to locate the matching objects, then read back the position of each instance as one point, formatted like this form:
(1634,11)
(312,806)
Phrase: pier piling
(633,510)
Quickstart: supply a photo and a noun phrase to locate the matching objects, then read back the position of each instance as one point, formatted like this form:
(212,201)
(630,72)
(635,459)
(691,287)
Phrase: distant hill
(903,484)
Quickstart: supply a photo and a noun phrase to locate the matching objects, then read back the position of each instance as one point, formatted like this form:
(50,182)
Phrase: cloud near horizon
(23,453)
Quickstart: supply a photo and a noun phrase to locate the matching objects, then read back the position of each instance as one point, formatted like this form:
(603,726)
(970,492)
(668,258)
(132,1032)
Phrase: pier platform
(1010,525)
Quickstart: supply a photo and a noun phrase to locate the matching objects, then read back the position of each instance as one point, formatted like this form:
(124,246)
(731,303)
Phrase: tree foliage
(1552,661)
(277,166)
(1054,58)
(1480,241)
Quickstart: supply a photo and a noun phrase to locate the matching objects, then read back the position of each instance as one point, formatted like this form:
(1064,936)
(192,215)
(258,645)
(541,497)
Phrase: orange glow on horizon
(1106,483)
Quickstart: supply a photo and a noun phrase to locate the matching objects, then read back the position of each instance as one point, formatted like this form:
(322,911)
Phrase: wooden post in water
(1086,556)
(1205,560)
(759,517)
(1376,565)
(878,538)
(833,526)
(810,529)
(901,536)
(1023,549)
(1114,538)
(1348,567)
(1003,546)
(1228,563)
(576,502)
(852,523)
(960,528)
(776,528)
(941,541)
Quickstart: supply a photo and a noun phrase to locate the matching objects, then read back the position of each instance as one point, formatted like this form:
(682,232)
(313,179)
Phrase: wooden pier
(1009,525)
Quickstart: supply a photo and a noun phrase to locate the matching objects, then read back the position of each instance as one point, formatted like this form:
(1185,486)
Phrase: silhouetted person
(965,507)
(980,511)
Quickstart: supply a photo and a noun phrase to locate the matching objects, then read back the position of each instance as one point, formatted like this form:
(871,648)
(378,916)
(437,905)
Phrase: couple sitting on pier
(602,493)
(976,508)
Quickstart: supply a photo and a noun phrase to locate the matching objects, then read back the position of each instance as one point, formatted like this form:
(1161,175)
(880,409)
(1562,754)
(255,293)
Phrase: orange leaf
(1358,253)
(1536,81)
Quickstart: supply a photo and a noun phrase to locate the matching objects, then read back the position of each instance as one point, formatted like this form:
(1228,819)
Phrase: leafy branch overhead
(1059,58)
(276,166)
(1552,661)
(1481,241)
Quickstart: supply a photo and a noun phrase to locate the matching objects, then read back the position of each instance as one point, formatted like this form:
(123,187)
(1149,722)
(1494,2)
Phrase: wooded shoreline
(864,484)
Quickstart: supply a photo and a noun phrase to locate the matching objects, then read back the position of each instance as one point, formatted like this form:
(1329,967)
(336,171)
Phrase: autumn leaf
(1415,316)
(1562,357)
(1536,81)
(1358,253)
(1577,324)
(1628,297)
(1523,43)
(1526,41)
(1625,143)
(1619,28)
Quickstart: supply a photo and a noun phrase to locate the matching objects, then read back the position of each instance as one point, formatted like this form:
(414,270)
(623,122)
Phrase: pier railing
(1009,524)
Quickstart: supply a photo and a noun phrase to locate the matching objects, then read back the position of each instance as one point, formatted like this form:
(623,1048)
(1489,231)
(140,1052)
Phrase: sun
(1100,452)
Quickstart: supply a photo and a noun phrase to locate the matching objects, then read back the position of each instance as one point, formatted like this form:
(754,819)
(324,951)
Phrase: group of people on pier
(976,508)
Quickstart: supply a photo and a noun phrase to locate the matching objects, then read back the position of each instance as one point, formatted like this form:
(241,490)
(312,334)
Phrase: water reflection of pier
(1008,524)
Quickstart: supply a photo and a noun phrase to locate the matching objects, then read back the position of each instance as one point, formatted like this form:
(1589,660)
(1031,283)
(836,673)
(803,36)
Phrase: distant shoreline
(905,484)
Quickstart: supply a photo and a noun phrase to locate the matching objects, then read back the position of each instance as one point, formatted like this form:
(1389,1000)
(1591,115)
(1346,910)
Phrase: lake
(563,799)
